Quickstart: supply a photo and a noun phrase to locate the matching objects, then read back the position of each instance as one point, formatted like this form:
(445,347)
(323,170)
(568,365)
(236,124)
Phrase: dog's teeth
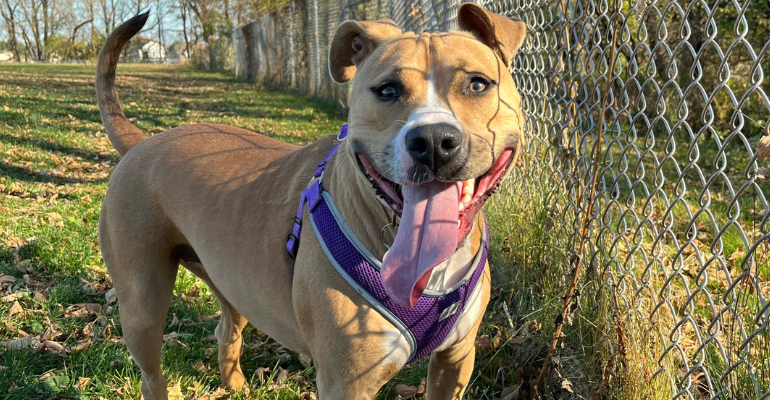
(466,199)
(468,186)
(461,207)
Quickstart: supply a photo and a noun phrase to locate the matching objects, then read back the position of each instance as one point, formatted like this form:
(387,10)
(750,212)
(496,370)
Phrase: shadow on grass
(57,148)
(24,174)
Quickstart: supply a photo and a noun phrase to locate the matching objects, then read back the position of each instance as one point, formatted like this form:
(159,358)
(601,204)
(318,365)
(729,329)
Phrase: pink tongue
(427,235)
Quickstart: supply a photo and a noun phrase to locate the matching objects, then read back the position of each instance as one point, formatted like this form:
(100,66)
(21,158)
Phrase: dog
(434,125)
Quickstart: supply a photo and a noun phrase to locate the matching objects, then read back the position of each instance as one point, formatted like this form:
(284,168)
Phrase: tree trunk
(10,23)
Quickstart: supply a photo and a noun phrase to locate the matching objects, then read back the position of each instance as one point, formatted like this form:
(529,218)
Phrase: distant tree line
(74,30)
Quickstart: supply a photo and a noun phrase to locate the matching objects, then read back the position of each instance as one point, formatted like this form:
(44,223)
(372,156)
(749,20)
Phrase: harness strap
(313,191)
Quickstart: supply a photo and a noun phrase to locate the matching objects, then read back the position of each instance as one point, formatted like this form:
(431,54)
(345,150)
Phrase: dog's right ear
(354,41)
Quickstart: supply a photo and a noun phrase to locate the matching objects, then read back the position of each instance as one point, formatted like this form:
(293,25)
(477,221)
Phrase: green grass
(55,161)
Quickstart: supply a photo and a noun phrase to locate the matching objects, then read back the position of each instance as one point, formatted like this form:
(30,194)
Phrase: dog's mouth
(430,212)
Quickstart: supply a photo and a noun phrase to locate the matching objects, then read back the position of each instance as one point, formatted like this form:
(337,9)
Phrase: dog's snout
(434,145)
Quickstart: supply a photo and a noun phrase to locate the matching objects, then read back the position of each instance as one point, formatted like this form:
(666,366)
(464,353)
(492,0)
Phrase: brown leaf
(15,309)
(404,391)
(51,345)
(217,394)
(282,375)
(83,310)
(308,396)
(483,343)
(198,366)
(7,280)
(174,321)
(111,296)
(82,345)
(81,384)
(260,373)
(421,388)
(39,297)
(763,173)
(763,148)
(12,297)
(511,393)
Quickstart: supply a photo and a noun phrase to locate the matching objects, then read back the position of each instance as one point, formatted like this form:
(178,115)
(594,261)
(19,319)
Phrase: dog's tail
(123,134)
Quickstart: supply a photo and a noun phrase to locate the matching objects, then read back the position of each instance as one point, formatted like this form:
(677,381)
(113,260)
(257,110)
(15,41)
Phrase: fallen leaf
(174,321)
(111,296)
(210,339)
(15,309)
(763,148)
(175,392)
(282,375)
(81,384)
(51,345)
(260,373)
(209,352)
(82,345)
(217,394)
(763,173)
(421,389)
(83,310)
(483,343)
(308,396)
(404,391)
(7,280)
(12,297)
(39,297)
(511,393)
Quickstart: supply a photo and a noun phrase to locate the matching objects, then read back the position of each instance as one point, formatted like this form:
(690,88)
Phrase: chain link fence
(677,260)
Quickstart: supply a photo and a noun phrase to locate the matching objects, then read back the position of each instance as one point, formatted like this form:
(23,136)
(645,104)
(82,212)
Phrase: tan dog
(430,115)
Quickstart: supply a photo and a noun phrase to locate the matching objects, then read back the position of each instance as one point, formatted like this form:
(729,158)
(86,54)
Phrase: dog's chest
(397,348)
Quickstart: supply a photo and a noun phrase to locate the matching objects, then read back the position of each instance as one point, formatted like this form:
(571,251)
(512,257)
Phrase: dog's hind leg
(229,338)
(144,279)
(228,332)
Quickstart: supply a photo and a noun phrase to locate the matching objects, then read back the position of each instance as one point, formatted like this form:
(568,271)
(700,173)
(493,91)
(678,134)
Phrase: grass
(55,161)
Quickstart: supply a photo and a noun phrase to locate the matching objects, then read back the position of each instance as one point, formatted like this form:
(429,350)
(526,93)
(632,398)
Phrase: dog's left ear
(504,35)
(354,41)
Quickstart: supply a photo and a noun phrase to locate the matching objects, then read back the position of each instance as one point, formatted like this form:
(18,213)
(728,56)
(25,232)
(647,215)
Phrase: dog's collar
(429,323)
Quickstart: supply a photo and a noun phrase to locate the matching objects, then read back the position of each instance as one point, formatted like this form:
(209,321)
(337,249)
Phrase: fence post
(316,45)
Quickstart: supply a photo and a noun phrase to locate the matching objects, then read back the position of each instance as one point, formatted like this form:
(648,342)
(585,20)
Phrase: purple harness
(431,320)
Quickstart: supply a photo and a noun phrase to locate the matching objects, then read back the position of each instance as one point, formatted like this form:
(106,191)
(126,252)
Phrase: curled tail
(123,134)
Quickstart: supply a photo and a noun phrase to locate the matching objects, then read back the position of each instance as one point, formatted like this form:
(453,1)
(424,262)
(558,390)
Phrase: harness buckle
(294,245)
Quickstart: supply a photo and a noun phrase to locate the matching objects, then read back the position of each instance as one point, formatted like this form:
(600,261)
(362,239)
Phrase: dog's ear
(354,41)
(504,35)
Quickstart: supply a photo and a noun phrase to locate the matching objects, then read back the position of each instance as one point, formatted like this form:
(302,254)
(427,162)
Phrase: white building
(146,50)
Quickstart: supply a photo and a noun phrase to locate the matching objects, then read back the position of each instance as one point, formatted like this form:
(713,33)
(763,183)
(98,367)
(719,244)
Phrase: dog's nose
(434,145)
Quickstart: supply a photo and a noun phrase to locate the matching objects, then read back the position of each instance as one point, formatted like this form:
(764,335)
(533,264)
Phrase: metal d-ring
(394,224)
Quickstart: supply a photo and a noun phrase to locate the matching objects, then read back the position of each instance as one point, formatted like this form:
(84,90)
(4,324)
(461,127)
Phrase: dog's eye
(478,85)
(386,92)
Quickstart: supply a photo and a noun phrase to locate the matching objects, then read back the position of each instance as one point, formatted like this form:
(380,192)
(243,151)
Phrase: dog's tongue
(427,235)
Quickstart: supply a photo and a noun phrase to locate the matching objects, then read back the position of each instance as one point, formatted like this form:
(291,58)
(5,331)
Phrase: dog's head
(435,123)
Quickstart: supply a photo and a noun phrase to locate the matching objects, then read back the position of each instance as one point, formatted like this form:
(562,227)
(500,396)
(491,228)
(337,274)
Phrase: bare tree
(8,12)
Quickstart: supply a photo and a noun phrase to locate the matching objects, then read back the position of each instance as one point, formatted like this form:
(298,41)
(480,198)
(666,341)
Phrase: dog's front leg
(449,371)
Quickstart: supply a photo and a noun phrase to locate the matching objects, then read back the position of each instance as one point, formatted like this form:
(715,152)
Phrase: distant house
(146,50)
(6,56)
(177,53)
